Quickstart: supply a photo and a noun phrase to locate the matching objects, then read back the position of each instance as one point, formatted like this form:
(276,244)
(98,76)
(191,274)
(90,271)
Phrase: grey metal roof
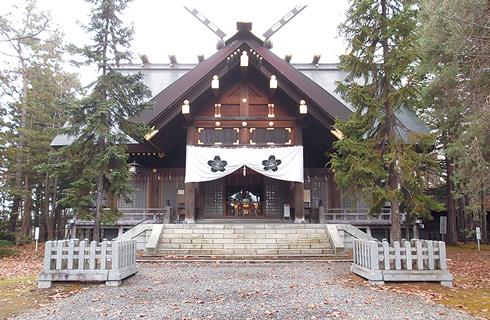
(62,140)
(157,77)
(325,75)
(160,76)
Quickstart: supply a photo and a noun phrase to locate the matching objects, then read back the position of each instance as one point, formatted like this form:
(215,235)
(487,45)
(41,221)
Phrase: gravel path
(313,290)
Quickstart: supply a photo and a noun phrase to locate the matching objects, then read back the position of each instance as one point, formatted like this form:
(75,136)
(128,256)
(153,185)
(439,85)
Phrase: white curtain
(210,163)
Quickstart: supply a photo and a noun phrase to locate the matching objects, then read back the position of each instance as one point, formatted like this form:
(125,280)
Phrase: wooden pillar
(299,187)
(415,231)
(190,202)
(321,214)
(73,230)
(368,230)
(190,194)
(299,199)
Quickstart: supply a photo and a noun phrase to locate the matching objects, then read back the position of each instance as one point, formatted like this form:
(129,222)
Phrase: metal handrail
(161,218)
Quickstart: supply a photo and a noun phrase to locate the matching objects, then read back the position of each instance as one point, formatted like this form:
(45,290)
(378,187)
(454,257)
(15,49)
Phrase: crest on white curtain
(208,163)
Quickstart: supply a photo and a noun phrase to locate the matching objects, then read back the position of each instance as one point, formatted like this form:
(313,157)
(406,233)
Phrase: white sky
(164,27)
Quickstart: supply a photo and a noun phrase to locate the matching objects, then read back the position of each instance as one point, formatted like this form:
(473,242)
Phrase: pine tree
(378,157)
(33,80)
(455,59)
(101,122)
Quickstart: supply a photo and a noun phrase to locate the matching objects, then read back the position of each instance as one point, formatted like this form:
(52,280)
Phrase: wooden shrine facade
(242,97)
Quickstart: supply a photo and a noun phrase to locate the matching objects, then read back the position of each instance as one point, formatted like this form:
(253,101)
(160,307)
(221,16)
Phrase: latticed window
(352,201)
(213,197)
(139,197)
(170,190)
(274,196)
(220,136)
(270,136)
(317,184)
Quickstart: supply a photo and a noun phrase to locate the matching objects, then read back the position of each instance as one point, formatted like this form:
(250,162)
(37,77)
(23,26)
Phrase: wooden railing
(134,216)
(358,216)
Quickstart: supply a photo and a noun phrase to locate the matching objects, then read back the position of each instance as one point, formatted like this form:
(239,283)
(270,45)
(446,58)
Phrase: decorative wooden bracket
(244,64)
(215,87)
(272,87)
(186,111)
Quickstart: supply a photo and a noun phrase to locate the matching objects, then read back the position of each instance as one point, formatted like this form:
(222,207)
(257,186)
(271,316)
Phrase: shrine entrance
(244,194)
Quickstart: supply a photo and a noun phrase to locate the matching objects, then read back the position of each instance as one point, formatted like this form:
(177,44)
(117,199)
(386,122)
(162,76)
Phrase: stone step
(245,252)
(245,226)
(200,233)
(247,239)
(289,239)
(308,244)
(242,220)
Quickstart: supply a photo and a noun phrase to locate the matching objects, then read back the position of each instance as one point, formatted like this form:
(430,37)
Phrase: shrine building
(243,135)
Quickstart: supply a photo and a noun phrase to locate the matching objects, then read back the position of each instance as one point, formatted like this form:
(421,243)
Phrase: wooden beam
(298,136)
(237,123)
(191,136)
(299,199)
(244,103)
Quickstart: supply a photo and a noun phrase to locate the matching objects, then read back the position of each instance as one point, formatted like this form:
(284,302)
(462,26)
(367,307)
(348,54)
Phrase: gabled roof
(190,85)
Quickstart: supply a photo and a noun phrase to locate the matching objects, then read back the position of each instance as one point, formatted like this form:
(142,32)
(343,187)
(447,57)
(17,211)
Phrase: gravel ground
(177,290)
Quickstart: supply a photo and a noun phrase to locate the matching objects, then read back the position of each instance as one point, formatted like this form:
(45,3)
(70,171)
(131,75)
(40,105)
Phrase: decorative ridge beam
(217,31)
(278,25)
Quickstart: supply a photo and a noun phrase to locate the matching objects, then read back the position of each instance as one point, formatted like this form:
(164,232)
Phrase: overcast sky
(163,27)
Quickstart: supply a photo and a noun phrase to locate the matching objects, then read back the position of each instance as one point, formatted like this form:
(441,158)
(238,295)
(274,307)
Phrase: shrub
(21,239)
(6,249)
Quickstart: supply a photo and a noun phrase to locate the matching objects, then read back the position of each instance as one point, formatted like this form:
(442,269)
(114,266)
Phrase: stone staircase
(245,239)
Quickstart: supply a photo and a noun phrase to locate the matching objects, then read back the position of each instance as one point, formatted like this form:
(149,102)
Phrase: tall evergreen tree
(101,122)
(456,42)
(33,80)
(378,157)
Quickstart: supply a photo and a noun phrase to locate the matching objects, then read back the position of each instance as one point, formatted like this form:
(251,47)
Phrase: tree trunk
(60,226)
(484,233)
(452,236)
(461,226)
(26,218)
(14,214)
(47,216)
(98,208)
(392,180)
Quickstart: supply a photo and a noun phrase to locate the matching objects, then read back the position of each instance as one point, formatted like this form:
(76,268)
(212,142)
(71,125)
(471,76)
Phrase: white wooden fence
(416,260)
(75,260)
